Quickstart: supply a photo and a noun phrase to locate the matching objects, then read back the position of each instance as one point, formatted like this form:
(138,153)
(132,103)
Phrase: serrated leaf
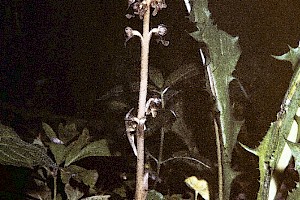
(295,148)
(184,72)
(16,152)
(224,52)
(97,148)
(154,195)
(75,147)
(156,77)
(292,56)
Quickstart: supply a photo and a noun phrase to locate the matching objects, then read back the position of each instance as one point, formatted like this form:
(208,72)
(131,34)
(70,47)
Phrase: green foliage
(76,150)
(273,155)
(295,194)
(224,53)
(154,195)
(15,151)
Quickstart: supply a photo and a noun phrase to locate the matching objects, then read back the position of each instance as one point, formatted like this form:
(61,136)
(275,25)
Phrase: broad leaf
(68,132)
(184,72)
(59,152)
(75,147)
(79,174)
(200,186)
(49,131)
(73,193)
(154,195)
(156,77)
(16,152)
(97,148)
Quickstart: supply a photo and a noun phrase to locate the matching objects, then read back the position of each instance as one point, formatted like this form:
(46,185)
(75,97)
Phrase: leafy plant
(67,147)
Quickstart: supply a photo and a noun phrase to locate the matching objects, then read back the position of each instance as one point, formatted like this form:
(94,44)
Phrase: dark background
(61,56)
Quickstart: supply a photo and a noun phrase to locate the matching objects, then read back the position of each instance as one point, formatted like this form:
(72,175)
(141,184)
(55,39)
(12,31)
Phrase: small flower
(162,30)
(158,5)
(130,33)
(140,8)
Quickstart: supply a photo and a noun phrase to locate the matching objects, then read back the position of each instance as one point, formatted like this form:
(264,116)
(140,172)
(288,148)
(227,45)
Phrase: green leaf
(224,53)
(97,148)
(75,147)
(73,193)
(292,56)
(79,174)
(59,152)
(182,73)
(156,77)
(49,131)
(16,152)
(295,194)
(68,132)
(295,148)
(273,152)
(97,197)
(154,195)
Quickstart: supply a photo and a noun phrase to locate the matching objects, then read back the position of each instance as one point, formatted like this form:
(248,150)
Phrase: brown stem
(141,184)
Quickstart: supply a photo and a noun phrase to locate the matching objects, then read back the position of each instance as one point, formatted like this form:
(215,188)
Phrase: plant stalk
(55,187)
(219,156)
(141,184)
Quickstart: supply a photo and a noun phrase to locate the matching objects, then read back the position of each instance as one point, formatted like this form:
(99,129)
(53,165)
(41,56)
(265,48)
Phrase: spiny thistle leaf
(273,151)
(224,53)
(295,148)
(16,152)
(292,56)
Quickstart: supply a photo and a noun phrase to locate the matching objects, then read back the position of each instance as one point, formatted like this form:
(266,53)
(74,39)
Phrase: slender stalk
(161,146)
(219,156)
(55,187)
(141,184)
(161,150)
